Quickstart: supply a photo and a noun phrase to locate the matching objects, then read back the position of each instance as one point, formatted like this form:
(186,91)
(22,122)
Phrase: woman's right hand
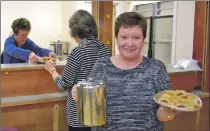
(74,92)
(50,66)
(166,114)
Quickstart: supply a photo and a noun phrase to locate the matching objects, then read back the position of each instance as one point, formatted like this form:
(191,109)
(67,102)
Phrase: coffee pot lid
(89,83)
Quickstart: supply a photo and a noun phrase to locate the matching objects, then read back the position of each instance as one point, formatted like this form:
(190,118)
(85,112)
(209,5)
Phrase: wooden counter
(27,66)
(184,79)
(31,100)
(32,79)
(192,121)
(44,112)
(47,112)
(27,79)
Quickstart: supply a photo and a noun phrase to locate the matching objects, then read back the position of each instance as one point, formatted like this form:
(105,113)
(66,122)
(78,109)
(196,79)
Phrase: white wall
(84,5)
(183,30)
(68,8)
(49,19)
(45,17)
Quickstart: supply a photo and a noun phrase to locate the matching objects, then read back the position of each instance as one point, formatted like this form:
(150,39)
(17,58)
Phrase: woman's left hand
(73,92)
(166,114)
(50,66)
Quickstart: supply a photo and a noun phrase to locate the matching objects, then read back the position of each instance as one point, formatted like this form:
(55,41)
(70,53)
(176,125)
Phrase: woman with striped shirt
(80,61)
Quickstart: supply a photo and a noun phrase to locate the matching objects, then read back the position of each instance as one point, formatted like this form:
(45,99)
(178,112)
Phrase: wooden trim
(31,106)
(113,31)
(201,41)
(206,52)
(21,103)
(198,114)
(185,72)
(56,118)
(206,95)
(199,31)
(95,13)
(103,13)
(28,66)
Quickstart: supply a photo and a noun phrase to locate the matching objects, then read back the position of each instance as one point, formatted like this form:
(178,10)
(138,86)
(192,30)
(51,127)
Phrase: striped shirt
(130,104)
(79,64)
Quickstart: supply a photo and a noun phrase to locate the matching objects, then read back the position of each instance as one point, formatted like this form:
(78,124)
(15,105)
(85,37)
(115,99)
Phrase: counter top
(51,97)
(171,69)
(28,66)
(60,64)
(33,99)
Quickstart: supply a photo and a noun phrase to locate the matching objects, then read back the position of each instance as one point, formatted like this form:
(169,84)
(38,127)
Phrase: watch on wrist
(52,71)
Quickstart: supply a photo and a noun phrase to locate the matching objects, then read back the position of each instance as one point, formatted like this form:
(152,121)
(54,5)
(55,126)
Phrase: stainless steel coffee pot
(91,103)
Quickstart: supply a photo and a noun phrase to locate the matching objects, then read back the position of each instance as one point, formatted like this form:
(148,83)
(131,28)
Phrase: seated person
(20,49)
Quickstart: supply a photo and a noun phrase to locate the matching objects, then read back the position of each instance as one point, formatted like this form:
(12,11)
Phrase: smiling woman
(132,80)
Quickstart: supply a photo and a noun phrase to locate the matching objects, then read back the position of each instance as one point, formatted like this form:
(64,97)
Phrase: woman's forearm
(54,74)
(56,78)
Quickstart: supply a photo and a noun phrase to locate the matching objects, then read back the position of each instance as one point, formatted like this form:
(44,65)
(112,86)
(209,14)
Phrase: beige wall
(68,8)
(49,19)
(45,17)
(183,31)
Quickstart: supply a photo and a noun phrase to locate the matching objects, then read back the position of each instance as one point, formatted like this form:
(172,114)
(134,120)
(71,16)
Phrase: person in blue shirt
(18,48)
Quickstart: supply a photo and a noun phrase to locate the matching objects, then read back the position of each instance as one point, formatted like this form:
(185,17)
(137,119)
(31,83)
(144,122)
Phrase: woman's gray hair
(83,25)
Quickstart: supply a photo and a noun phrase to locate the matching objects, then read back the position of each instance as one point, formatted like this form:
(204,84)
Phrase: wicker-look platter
(159,94)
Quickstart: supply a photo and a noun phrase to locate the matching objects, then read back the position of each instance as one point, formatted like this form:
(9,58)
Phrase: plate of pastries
(178,100)
(43,60)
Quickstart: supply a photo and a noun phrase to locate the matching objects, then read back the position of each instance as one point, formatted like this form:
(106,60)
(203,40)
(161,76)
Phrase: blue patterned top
(130,104)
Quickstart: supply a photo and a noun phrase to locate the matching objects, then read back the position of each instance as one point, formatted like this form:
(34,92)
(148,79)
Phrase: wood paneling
(44,117)
(27,82)
(103,13)
(199,31)
(201,40)
(36,117)
(206,51)
(203,123)
(185,81)
(187,121)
